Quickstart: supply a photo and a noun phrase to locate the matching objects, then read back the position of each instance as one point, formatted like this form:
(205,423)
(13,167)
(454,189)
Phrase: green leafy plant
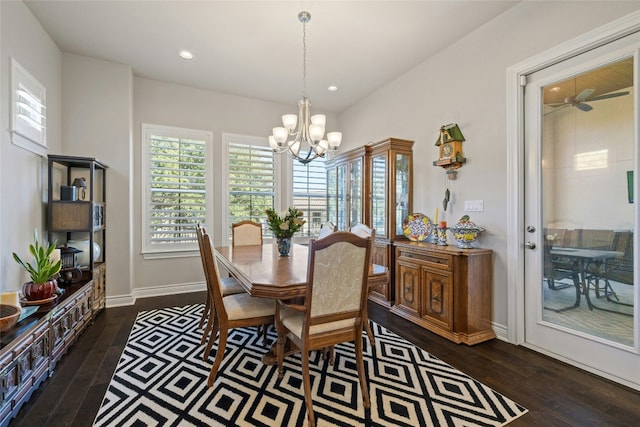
(286,223)
(44,268)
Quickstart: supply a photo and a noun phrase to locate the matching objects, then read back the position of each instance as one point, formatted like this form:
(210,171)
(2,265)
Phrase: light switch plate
(474,205)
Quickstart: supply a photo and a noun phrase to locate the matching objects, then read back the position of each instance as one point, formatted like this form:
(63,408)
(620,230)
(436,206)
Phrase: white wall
(97,106)
(466,84)
(23,174)
(181,106)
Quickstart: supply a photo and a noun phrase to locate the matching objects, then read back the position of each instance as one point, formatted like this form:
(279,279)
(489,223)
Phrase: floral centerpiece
(283,225)
(43,272)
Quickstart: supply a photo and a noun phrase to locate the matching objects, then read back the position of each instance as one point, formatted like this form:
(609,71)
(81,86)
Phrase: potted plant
(283,225)
(43,272)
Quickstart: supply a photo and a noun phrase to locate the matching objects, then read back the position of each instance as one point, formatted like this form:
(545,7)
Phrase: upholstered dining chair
(326,229)
(364,231)
(333,307)
(246,232)
(229,286)
(231,311)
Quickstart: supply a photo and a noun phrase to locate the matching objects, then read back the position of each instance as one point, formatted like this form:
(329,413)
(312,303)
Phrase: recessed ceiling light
(555,89)
(332,88)
(185,54)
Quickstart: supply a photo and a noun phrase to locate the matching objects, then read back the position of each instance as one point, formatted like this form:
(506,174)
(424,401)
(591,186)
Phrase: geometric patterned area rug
(161,380)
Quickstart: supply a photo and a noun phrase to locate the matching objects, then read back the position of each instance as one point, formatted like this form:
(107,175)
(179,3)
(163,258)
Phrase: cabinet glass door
(379,195)
(332,190)
(355,183)
(341,209)
(402,190)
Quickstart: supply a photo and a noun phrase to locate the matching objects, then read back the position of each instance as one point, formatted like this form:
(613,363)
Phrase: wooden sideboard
(29,352)
(445,289)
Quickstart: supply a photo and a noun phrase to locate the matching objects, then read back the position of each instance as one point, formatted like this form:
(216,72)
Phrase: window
(28,111)
(176,176)
(310,194)
(251,180)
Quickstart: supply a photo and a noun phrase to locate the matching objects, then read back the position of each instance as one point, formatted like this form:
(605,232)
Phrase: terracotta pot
(40,291)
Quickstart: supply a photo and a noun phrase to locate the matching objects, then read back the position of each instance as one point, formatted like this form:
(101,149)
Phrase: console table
(29,352)
(445,289)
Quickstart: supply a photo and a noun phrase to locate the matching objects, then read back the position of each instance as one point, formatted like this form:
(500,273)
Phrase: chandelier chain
(304,60)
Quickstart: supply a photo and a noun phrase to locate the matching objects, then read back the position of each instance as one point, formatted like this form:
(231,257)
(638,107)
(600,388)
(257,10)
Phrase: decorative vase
(40,291)
(284,245)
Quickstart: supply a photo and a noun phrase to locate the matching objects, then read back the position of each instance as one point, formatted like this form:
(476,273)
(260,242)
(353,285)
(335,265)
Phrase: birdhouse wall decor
(449,145)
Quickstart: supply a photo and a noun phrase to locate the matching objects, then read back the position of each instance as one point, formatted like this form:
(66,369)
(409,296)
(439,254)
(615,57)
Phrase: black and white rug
(161,380)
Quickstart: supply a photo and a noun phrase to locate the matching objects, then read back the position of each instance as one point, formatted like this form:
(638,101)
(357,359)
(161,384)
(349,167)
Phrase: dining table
(585,258)
(262,272)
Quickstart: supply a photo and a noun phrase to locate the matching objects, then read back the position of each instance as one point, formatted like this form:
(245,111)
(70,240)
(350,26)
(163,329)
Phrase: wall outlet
(474,205)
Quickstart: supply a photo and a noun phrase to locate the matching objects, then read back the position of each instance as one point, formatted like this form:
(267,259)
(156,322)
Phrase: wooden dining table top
(264,273)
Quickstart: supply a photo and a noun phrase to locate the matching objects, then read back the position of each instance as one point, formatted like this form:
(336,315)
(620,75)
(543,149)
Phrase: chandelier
(310,129)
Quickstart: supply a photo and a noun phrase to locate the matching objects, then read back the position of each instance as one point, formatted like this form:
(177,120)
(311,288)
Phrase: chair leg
(205,314)
(212,338)
(280,353)
(307,387)
(210,321)
(219,355)
(365,320)
(361,374)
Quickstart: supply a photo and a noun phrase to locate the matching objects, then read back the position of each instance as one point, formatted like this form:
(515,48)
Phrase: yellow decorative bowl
(9,315)
(465,236)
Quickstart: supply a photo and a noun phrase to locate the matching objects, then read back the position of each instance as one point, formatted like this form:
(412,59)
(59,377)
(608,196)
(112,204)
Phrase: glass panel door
(587,217)
(379,194)
(355,184)
(332,194)
(341,211)
(402,191)
(580,216)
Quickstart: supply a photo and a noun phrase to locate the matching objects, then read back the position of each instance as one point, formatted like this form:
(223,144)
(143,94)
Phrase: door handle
(530,245)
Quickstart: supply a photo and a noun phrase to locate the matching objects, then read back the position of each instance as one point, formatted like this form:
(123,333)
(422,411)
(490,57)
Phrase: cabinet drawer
(431,259)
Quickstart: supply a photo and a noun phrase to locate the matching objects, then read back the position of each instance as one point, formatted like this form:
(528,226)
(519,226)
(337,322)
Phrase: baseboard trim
(155,291)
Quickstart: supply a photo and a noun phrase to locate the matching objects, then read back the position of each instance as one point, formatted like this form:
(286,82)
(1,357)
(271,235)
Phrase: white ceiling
(254,48)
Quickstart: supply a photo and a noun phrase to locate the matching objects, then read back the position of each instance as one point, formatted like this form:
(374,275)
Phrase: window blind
(251,183)
(177,177)
(310,194)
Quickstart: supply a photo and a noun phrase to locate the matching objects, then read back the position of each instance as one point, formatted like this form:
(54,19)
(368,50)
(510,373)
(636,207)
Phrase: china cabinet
(345,191)
(445,289)
(373,185)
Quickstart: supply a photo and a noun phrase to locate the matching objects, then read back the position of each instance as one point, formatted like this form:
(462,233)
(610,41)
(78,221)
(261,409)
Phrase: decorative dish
(38,302)
(417,227)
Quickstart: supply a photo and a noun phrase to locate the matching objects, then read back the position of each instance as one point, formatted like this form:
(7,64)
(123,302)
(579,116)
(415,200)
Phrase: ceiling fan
(580,101)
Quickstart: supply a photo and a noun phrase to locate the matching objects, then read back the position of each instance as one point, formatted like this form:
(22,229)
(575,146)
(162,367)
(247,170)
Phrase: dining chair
(231,311)
(553,271)
(364,231)
(326,229)
(245,233)
(333,308)
(229,286)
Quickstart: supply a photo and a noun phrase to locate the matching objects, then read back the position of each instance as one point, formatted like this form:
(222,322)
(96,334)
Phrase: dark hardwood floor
(556,394)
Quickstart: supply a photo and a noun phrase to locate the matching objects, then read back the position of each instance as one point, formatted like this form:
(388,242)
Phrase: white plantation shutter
(310,194)
(176,164)
(251,181)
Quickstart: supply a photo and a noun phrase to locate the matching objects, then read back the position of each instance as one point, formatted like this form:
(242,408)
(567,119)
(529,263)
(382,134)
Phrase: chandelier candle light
(310,129)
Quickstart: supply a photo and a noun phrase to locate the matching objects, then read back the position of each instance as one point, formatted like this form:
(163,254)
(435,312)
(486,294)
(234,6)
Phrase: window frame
(22,134)
(153,250)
